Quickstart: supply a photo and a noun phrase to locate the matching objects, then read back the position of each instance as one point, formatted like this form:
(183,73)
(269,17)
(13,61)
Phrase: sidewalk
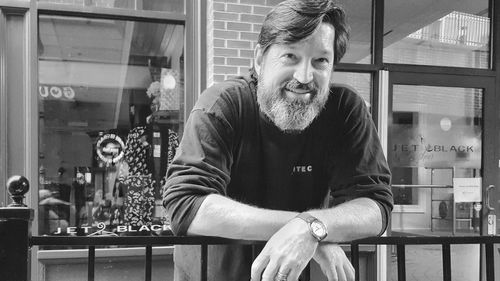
(425,263)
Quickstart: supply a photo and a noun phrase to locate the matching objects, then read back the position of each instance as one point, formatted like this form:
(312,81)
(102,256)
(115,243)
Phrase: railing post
(15,231)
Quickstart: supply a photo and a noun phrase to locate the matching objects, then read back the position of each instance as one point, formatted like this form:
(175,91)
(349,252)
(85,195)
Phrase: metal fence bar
(91,264)
(149,258)
(355,260)
(204,262)
(14,243)
(490,262)
(446,251)
(401,262)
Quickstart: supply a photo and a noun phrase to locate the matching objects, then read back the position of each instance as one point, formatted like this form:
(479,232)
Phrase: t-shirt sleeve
(201,167)
(361,169)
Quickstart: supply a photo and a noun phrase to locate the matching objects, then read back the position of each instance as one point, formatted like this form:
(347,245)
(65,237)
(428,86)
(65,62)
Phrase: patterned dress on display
(139,201)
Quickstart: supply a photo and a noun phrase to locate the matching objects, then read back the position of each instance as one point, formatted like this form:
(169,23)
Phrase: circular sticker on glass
(110,148)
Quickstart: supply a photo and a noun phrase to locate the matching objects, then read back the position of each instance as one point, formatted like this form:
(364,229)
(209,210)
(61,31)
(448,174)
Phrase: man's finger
(331,273)
(258,266)
(350,273)
(294,273)
(270,271)
(341,274)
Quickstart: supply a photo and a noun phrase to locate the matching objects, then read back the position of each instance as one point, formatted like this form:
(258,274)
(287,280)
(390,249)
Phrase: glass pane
(361,82)
(111,106)
(431,146)
(359,16)
(150,5)
(443,33)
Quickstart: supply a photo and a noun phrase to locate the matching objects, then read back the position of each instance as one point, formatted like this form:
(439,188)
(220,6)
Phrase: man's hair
(293,20)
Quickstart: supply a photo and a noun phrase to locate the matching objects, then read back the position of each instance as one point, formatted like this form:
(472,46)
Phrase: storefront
(94,95)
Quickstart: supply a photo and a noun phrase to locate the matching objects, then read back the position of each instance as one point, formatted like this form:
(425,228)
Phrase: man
(262,157)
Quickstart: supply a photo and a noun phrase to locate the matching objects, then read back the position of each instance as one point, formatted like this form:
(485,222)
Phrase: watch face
(318,229)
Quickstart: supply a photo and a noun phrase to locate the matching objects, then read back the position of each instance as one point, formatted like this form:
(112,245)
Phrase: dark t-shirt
(231,148)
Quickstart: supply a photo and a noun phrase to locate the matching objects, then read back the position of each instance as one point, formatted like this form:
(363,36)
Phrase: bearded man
(282,155)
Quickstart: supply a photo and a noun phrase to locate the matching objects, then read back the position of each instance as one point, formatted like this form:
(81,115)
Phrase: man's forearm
(223,217)
(355,219)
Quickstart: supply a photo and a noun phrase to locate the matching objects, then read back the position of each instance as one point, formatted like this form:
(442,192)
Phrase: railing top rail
(203,240)
(418,240)
(135,240)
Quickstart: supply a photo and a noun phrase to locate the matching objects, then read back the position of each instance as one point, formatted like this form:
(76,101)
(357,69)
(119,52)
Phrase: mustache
(296,85)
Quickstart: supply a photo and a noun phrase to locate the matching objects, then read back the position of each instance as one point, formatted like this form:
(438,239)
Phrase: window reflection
(111,105)
(360,21)
(430,147)
(150,5)
(446,33)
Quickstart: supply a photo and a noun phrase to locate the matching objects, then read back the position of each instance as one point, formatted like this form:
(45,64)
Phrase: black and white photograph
(249,140)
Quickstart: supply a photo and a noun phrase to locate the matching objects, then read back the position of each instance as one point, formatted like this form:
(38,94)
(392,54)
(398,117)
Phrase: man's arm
(221,216)
(224,217)
(355,219)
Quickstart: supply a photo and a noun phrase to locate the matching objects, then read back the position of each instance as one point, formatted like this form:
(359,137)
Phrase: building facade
(94,95)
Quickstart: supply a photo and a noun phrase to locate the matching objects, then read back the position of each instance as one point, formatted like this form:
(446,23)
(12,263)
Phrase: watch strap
(309,219)
(306,217)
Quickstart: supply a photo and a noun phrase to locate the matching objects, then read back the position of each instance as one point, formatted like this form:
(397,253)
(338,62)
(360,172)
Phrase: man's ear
(257,58)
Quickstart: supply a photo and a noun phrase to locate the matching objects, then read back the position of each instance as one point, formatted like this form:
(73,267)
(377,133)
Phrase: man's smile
(302,95)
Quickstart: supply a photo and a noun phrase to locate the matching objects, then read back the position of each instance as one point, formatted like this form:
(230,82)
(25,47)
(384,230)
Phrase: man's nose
(304,73)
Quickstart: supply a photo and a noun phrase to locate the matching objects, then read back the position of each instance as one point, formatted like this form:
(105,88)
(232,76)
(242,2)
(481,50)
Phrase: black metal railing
(445,241)
(148,242)
(16,241)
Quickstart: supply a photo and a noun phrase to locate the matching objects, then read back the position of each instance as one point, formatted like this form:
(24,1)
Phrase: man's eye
(289,57)
(323,60)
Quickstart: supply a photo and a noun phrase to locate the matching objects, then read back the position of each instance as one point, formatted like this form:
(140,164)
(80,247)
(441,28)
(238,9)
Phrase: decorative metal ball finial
(17,186)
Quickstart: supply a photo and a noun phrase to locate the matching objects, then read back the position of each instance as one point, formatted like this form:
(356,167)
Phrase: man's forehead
(321,40)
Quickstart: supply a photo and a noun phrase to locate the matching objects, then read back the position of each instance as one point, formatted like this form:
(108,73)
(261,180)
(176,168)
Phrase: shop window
(111,107)
(359,15)
(430,146)
(149,5)
(444,33)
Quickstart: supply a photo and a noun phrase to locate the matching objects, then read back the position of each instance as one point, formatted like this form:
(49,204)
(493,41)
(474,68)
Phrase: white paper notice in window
(467,189)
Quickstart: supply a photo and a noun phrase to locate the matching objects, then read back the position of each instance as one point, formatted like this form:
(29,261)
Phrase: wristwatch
(316,227)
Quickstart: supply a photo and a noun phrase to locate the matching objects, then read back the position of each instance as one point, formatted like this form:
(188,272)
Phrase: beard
(291,115)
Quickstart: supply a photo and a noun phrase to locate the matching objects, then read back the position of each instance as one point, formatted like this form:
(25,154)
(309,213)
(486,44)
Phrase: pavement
(425,263)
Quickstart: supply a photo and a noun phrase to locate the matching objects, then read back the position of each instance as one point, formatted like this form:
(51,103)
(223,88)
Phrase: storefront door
(441,150)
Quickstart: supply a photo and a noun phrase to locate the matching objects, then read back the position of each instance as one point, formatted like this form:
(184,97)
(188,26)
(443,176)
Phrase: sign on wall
(56,92)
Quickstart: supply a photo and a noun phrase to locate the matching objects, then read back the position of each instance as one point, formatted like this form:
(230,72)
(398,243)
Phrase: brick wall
(233,27)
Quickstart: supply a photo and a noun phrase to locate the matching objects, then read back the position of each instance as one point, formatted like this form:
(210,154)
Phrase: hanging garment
(137,152)
(173,144)
(138,183)
(139,202)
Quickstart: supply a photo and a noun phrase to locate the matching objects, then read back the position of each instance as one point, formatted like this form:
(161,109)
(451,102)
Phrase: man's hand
(334,263)
(287,253)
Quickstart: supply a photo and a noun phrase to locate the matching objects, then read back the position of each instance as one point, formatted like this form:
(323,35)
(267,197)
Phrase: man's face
(294,79)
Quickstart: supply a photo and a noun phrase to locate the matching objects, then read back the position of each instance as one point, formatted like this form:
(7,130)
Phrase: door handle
(488,205)
(492,218)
